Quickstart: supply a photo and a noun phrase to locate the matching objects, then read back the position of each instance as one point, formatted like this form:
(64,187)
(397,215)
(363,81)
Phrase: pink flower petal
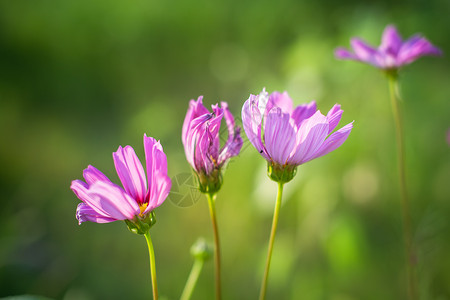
(303,112)
(282,101)
(279,135)
(162,189)
(156,161)
(334,141)
(131,172)
(310,137)
(91,175)
(111,201)
(416,47)
(342,53)
(364,52)
(80,188)
(86,213)
(334,116)
(196,109)
(251,121)
(391,41)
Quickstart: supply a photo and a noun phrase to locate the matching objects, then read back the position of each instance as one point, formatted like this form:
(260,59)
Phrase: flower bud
(201,250)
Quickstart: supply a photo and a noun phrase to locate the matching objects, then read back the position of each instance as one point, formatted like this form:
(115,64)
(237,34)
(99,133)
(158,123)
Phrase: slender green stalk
(406,216)
(151,253)
(212,212)
(192,280)
(276,214)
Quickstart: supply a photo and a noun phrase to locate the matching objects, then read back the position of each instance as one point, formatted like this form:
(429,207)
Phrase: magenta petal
(131,172)
(334,116)
(92,174)
(232,147)
(310,137)
(80,188)
(190,143)
(162,189)
(303,112)
(228,119)
(86,213)
(364,52)
(342,53)
(335,140)
(196,109)
(156,161)
(110,201)
(279,136)
(234,142)
(391,41)
(414,48)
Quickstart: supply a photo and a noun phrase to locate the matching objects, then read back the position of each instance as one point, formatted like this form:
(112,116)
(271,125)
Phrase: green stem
(192,280)
(212,212)
(152,265)
(406,216)
(276,214)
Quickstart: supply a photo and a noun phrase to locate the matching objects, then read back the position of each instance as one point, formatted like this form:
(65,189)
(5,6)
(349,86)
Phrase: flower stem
(410,255)
(192,280)
(152,265)
(276,214)
(212,212)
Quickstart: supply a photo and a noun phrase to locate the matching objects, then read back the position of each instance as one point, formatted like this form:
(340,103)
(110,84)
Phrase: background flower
(393,52)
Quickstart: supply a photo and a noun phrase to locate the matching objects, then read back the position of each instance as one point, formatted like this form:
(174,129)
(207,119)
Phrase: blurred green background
(79,78)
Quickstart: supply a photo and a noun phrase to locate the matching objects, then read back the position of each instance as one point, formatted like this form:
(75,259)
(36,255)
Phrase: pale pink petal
(303,112)
(131,173)
(334,116)
(279,136)
(282,101)
(310,137)
(251,120)
(334,141)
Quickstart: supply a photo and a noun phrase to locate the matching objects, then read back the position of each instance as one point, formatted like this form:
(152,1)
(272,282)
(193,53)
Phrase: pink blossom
(286,136)
(393,52)
(201,141)
(104,201)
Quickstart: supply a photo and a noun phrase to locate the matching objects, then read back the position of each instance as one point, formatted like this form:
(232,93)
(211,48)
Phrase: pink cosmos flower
(201,142)
(287,137)
(393,53)
(104,201)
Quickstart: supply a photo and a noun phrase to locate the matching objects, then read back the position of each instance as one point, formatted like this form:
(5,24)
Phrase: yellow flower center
(142,206)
